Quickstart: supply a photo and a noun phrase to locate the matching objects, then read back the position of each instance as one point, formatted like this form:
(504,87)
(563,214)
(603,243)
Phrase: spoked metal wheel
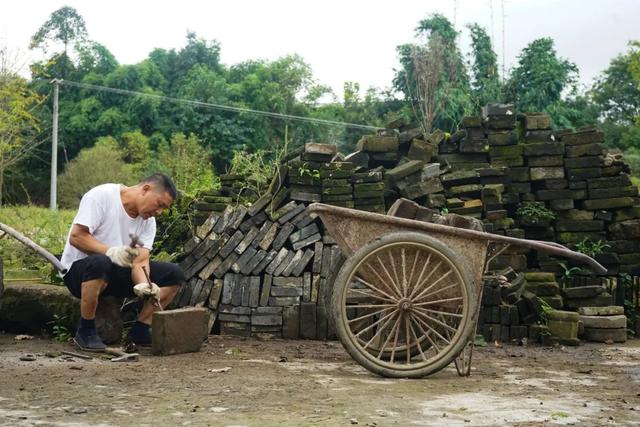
(403,305)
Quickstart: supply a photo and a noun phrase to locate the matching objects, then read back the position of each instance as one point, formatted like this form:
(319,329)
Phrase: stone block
(537,122)
(587,136)
(511,161)
(544,161)
(506,151)
(423,188)
(500,138)
(546,173)
(604,193)
(506,121)
(605,335)
(568,225)
(179,331)
(612,310)
(544,149)
(543,288)
(610,203)
(561,205)
(420,150)
(378,144)
(472,122)
(583,150)
(624,230)
(519,174)
(583,173)
(583,162)
(582,292)
(308,320)
(553,194)
(604,299)
(605,322)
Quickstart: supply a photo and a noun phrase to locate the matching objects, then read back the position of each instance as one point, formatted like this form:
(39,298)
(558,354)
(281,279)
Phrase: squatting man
(100,260)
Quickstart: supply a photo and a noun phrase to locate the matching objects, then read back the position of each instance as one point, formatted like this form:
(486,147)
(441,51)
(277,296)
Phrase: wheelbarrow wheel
(403,305)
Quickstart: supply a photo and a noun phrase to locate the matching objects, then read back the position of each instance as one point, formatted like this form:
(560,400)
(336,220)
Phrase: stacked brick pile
(488,170)
(603,324)
(261,270)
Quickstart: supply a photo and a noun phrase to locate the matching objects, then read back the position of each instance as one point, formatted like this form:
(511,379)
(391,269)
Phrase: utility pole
(53,204)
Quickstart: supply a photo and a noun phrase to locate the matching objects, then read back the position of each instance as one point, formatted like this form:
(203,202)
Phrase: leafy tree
(540,78)
(18,124)
(64,26)
(188,164)
(616,92)
(433,76)
(94,166)
(257,169)
(486,80)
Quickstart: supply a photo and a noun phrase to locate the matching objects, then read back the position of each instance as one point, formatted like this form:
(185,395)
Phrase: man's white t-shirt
(102,212)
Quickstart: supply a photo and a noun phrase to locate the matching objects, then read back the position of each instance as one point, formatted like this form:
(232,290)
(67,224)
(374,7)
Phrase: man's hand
(145,289)
(122,255)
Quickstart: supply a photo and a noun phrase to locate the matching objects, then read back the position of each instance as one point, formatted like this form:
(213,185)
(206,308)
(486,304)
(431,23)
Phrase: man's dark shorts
(118,278)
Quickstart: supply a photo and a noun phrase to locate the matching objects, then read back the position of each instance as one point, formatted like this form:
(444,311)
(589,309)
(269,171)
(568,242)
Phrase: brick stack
(368,191)
(507,309)
(603,324)
(544,286)
(585,291)
(249,266)
(499,161)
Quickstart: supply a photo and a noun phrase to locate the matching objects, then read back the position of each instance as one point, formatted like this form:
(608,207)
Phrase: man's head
(155,194)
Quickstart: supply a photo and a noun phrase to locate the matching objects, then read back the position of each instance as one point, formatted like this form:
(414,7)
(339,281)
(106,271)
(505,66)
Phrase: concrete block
(179,331)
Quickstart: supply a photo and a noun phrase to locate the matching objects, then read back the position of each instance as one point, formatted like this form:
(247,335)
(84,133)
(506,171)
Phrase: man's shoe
(89,342)
(140,334)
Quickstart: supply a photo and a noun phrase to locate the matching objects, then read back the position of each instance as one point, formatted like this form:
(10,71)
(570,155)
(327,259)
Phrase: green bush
(47,228)
(94,166)
(535,212)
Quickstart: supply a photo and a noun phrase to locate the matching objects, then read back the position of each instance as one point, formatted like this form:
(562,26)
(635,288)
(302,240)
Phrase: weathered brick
(179,331)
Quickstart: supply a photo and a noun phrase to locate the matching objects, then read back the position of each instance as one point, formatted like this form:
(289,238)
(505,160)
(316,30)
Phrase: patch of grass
(559,414)
(45,227)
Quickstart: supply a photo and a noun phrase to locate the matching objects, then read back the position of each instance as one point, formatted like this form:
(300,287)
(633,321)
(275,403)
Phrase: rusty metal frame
(368,221)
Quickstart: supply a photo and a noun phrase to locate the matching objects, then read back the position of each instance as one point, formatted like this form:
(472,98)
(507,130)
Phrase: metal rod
(53,203)
(33,246)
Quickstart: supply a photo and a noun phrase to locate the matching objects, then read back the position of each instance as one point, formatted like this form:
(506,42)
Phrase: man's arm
(83,240)
(142,260)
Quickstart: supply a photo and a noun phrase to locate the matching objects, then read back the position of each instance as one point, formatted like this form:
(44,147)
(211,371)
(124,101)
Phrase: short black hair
(162,181)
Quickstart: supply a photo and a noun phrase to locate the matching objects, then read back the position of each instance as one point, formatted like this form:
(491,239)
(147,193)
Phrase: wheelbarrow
(405,302)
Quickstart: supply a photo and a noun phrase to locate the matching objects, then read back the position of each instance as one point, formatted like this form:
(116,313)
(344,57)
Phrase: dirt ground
(315,383)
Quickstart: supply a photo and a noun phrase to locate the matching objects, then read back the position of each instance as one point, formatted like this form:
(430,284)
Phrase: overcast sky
(341,40)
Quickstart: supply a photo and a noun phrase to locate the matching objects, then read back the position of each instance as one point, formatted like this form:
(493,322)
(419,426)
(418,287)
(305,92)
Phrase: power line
(217,106)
